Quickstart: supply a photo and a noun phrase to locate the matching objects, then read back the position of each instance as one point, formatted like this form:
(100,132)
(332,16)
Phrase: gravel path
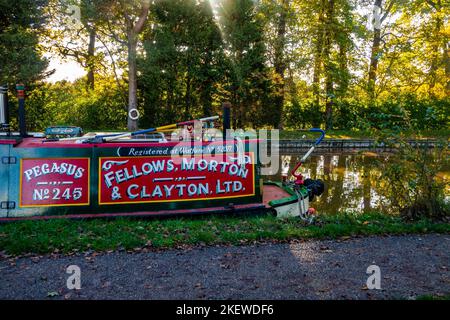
(410,266)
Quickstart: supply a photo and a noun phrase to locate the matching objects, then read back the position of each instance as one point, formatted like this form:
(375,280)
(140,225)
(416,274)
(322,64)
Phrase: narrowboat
(180,169)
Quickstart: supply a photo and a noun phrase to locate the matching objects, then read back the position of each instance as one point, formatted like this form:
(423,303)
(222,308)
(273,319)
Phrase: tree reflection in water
(349,179)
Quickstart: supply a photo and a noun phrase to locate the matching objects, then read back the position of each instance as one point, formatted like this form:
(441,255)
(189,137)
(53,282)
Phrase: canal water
(349,179)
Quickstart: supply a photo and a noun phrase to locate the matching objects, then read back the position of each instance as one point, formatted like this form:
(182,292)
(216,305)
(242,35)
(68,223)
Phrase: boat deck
(273,192)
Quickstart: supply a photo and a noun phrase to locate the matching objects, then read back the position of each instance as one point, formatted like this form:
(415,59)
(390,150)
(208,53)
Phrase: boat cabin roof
(33,142)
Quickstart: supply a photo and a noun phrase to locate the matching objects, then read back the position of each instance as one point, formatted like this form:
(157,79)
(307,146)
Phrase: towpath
(409,266)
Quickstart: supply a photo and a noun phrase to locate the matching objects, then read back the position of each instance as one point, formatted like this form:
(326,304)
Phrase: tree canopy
(342,64)
(21,22)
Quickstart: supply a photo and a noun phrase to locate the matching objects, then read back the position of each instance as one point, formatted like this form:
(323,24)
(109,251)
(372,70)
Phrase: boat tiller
(307,189)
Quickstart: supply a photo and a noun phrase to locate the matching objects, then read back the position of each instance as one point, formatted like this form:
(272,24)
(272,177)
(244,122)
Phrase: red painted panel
(169,179)
(54,182)
(8,141)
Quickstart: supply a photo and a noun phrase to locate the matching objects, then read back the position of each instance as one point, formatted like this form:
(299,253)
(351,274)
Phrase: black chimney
(21,98)
(4,108)
(226,118)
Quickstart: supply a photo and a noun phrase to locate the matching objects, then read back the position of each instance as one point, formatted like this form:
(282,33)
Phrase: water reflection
(349,179)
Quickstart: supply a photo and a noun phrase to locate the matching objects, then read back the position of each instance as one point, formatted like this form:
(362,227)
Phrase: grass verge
(68,236)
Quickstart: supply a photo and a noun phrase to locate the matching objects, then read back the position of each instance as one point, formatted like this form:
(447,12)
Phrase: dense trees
(184,65)
(249,83)
(123,21)
(116,23)
(72,34)
(281,63)
(20,24)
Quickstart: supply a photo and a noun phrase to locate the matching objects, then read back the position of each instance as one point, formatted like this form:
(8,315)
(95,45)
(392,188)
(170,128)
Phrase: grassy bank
(67,236)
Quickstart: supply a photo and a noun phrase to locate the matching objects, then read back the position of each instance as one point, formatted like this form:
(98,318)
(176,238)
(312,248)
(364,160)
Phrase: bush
(399,113)
(65,103)
(306,115)
(410,180)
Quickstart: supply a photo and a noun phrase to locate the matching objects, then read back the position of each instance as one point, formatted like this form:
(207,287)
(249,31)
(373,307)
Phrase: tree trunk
(318,55)
(375,55)
(329,104)
(236,110)
(343,79)
(170,99)
(187,97)
(280,63)
(133,30)
(447,65)
(241,95)
(206,102)
(446,57)
(207,85)
(437,6)
(206,90)
(90,59)
(435,58)
(329,86)
(132,125)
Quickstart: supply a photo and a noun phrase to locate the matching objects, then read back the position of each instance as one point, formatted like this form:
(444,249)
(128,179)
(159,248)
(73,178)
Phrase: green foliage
(184,65)
(20,24)
(410,180)
(306,115)
(406,112)
(64,103)
(250,84)
(194,61)
(280,63)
